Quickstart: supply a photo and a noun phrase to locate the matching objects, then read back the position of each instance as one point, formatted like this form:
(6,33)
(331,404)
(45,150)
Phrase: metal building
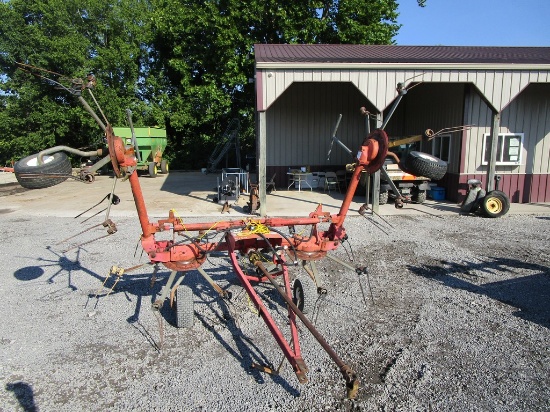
(502,92)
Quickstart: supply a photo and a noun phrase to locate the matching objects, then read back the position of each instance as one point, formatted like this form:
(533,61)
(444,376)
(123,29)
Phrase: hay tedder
(260,250)
(260,242)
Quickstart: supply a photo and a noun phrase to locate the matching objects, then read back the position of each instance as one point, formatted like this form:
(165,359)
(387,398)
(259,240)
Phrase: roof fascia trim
(402,66)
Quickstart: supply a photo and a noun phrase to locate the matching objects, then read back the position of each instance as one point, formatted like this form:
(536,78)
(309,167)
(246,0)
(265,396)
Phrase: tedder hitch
(352,383)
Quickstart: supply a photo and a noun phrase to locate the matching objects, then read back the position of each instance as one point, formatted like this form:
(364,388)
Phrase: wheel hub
(494,205)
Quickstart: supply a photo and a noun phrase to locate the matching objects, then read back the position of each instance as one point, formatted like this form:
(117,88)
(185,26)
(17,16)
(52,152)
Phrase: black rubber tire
(471,202)
(468,203)
(479,199)
(31,175)
(423,164)
(164,166)
(304,294)
(495,204)
(153,169)
(418,196)
(383,197)
(185,314)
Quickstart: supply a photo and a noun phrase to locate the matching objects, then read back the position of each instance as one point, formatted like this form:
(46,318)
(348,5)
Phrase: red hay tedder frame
(191,253)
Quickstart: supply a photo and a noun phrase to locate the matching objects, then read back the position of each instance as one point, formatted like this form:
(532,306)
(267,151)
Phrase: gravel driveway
(457,318)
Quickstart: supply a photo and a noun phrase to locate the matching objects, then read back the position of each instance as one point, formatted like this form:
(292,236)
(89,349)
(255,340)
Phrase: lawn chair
(270,185)
(341,174)
(331,182)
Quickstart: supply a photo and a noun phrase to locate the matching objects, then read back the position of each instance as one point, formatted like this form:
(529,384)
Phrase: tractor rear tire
(495,204)
(423,164)
(185,314)
(31,175)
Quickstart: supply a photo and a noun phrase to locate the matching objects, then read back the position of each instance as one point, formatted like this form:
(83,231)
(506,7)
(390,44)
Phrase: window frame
(506,137)
(432,147)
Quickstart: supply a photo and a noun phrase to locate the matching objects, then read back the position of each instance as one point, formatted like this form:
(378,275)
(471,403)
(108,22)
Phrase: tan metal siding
(480,116)
(301,121)
(528,114)
(430,106)
(379,85)
(499,87)
(537,130)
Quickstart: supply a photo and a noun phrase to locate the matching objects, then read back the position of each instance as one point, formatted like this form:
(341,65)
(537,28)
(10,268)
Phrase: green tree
(205,50)
(69,38)
(182,64)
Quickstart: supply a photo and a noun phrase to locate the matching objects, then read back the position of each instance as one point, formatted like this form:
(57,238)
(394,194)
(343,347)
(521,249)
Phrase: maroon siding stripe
(519,188)
(536,189)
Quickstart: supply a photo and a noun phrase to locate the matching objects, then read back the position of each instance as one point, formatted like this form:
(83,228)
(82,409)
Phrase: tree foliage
(184,65)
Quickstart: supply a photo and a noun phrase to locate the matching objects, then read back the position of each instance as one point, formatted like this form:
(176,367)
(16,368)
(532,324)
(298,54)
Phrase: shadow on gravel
(24,394)
(60,260)
(217,313)
(529,294)
(224,313)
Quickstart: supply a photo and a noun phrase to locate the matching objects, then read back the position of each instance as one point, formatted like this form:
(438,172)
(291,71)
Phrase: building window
(439,146)
(509,148)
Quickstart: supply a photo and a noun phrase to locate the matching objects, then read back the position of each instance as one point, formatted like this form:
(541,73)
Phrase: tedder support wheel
(164,166)
(495,204)
(185,314)
(383,197)
(423,164)
(31,175)
(304,294)
(153,171)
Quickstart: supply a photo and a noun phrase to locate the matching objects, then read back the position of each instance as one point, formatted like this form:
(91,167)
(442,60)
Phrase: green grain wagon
(150,144)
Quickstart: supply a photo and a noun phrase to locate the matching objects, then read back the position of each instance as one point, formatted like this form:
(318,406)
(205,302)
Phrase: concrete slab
(191,194)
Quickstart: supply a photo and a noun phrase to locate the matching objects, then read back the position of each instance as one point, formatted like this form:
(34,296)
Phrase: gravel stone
(454,314)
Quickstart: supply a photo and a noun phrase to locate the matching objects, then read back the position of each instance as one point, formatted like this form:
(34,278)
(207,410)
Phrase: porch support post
(376,180)
(262,139)
(494,147)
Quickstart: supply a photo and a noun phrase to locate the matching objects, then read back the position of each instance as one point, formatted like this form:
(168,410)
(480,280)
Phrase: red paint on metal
(189,255)
(140,206)
(293,357)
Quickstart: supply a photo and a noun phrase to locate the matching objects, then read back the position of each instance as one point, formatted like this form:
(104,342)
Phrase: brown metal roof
(359,53)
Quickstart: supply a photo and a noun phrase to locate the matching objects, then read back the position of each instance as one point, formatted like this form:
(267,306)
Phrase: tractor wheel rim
(494,205)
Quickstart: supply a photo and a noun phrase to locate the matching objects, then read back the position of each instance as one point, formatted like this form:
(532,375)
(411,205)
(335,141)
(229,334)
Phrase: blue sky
(474,23)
